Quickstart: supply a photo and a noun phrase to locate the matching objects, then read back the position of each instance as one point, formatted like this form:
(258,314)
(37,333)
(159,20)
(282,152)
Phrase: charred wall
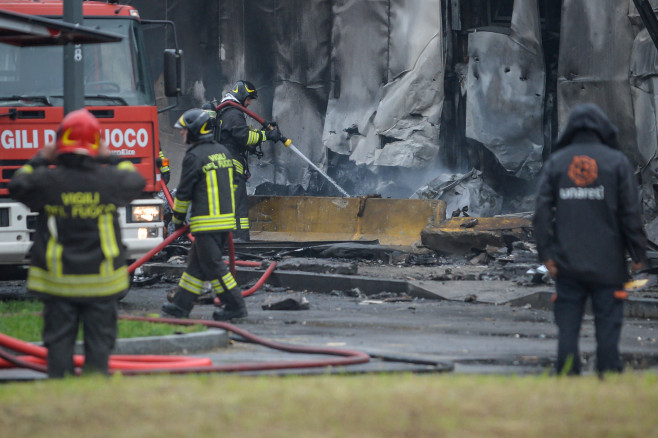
(386,95)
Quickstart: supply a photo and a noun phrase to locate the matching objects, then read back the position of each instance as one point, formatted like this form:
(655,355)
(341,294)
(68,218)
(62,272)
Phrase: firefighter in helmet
(206,189)
(240,140)
(78,262)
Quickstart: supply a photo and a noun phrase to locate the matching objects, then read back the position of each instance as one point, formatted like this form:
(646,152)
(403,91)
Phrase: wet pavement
(461,325)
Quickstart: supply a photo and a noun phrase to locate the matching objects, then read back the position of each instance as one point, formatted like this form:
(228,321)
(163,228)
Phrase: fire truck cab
(118,90)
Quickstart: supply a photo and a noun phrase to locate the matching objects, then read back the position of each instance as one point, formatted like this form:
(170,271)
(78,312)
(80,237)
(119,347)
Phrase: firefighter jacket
(77,250)
(587,210)
(207,184)
(238,137)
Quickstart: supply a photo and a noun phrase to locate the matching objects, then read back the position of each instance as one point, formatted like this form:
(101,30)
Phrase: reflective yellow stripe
(238,167)
(254,137)
(25,169)
(212,223)
(70,285)
(108,243)
(212,193)
(244,223)
(126,165)
(181,206)
(228,280)
(190,283)
(54,249)
(230,180)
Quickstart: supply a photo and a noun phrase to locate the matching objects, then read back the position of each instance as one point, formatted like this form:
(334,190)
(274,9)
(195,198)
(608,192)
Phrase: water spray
(310,163)
(286,141)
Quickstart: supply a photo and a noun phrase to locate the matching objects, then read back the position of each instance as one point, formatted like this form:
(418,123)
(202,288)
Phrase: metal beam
(28,30)
(74,87)
(648,18)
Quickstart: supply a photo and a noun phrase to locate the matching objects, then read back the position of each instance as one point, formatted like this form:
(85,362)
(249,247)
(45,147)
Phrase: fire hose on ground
(34,357)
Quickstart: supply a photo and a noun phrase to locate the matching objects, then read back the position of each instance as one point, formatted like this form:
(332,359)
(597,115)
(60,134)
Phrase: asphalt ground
(462,326)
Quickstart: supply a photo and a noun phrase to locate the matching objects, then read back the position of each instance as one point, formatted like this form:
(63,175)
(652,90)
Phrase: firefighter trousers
(61,320)
(241,208)
(205,263)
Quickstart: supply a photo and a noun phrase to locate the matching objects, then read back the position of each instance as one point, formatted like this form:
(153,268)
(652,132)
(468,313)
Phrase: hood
(229,96)
(588,117)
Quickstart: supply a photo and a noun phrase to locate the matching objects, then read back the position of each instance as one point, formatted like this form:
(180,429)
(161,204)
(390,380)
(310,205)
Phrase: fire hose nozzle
(286,142)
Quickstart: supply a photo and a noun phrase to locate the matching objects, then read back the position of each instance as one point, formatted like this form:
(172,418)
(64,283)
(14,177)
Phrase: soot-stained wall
(386,95)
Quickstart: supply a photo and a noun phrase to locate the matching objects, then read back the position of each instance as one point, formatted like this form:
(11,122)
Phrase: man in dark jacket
(78,263)
(240,140)
(587,216)
(206,189)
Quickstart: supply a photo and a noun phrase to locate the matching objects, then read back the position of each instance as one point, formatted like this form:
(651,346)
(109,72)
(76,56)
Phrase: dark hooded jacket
(587,211)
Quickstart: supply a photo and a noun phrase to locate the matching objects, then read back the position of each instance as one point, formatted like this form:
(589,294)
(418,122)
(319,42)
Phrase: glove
(166,176)
(274,135)
(178,221)
(267,124)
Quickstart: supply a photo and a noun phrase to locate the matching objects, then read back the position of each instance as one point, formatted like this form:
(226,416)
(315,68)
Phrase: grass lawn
(397,405)
(21,319)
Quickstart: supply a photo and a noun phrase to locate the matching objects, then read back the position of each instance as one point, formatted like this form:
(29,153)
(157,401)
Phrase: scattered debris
(469,223)
(314,265)
(289,303)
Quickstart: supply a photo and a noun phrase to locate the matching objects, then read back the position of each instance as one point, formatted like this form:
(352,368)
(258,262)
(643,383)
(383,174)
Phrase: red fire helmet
(79,133)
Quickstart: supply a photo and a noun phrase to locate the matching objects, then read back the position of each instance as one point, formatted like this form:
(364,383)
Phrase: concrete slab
(490,292)
(496,292)
(461,234)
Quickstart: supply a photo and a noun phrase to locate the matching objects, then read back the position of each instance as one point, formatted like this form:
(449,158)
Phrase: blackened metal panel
(301,32)
(409,110)
(596,40)
(359,61)
(505,91)
(644,92)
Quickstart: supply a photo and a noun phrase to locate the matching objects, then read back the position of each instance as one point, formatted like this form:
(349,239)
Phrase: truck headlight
(144,213)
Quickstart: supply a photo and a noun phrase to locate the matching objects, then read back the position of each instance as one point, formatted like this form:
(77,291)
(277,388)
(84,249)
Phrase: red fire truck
(118,90)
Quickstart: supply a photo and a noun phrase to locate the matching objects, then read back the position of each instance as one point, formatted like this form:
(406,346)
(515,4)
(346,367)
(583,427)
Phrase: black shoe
(227,315)
(234,306)
(181,305)
(171,309)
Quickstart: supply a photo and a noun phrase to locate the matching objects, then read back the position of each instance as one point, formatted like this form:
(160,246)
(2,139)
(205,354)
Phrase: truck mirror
(173,72)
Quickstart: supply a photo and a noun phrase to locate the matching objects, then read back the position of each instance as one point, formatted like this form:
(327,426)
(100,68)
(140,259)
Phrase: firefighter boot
(181,305)
(234,306)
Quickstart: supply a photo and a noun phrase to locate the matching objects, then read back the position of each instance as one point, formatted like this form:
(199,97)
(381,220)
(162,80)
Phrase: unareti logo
(583,170)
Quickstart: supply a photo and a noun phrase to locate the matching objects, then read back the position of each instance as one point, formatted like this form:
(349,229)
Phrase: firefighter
(78,262)
(587,217)
(206,189)
(163,165)
(240,140)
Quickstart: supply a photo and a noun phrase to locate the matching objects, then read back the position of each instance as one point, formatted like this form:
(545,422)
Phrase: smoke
(199,91)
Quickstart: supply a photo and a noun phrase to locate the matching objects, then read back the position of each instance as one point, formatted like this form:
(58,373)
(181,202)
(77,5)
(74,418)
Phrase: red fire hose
(34,356)
(256,117)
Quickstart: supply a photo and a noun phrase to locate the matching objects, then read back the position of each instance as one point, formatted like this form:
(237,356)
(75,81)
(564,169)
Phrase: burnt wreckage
(389,96)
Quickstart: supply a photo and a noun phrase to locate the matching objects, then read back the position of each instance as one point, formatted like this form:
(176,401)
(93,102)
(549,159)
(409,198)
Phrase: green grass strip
(21,319)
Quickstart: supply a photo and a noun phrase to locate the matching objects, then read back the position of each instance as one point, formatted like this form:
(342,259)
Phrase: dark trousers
(569,308)
(204,260)
(241,208)
(61,320)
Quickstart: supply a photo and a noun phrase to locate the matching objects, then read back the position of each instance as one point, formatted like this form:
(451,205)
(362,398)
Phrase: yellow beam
(394,222)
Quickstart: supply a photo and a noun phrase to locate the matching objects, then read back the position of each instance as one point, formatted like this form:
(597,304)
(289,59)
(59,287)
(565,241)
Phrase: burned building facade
(389,96)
